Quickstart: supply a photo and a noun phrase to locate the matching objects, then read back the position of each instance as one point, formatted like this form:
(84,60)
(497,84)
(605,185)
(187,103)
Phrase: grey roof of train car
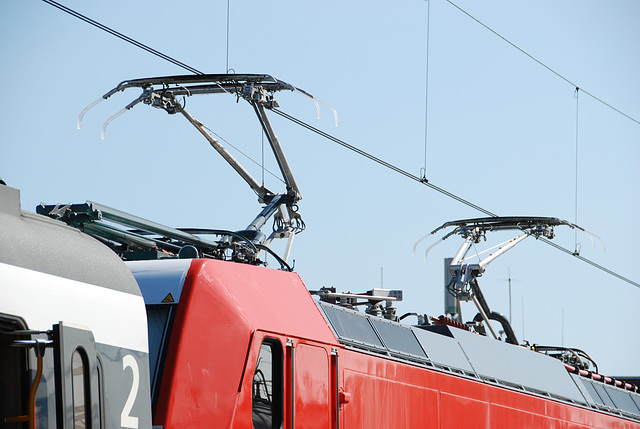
(35,242)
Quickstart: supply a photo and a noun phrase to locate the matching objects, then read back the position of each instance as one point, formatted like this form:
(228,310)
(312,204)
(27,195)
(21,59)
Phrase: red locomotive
(190,332)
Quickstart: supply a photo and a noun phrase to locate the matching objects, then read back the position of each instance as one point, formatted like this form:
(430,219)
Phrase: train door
(295,387)
(76,378)
(312,387)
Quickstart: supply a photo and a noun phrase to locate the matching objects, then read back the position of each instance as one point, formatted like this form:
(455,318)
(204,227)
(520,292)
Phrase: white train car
(73,328)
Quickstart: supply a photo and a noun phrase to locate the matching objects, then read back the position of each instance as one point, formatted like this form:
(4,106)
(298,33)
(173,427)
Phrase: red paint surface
(227,309)
(391,394)
(312,406)
(220,306)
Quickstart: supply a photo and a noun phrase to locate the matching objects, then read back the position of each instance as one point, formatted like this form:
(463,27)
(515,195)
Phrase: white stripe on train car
(42,300)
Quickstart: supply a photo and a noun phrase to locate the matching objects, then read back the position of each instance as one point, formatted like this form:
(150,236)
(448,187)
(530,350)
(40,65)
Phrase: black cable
(442,191)
(228,9)
(283,263)
(122,36)
(426,95)
(383,163)
(540,62)
(353,148)
(583,259)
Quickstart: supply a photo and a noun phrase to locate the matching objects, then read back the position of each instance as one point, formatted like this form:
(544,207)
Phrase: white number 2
(126,420)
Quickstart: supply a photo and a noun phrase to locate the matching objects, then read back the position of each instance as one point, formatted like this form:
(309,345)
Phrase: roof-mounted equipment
(372,299)
(135,238)
(258,90)
(570,356)
(464,284)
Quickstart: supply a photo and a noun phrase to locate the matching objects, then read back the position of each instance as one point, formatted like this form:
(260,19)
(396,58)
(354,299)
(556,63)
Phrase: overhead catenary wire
(228,22)
(381,162)
(122,36)
(575,219)
(590,262)
(443,191)
(196,71)
(423,180)
(426,94)
(540,62)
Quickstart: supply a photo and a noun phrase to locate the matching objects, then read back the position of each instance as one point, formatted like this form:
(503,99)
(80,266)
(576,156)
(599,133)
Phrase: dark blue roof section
(608,397)
(517,366)
(469,354)
(398,339)
(443,350)
(161,280)
(622,400)
(352,327)
(373,333)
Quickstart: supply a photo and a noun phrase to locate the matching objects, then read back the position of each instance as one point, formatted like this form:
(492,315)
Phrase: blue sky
(501,133)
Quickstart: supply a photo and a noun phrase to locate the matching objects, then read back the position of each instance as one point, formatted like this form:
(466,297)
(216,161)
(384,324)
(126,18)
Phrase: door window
(80,387)
(267,386)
